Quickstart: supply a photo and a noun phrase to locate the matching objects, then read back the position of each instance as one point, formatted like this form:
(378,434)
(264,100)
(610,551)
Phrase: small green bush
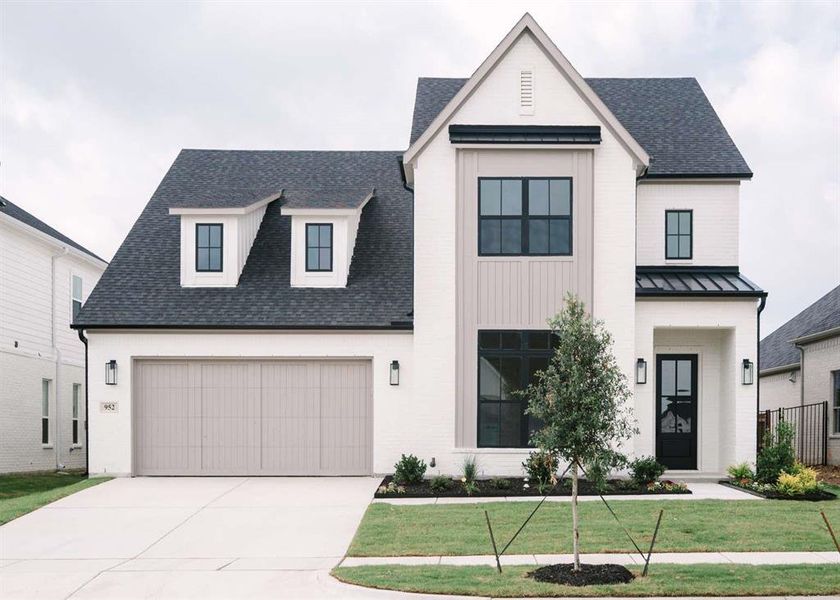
(597,474)
(500,483)
(541,466)
(469,470)
(742,472)
(646,470)
(440,483)
(777,454)
(409,470)
(801,481)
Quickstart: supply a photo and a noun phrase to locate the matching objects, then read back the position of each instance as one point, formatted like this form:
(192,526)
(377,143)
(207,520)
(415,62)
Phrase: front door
(676,420)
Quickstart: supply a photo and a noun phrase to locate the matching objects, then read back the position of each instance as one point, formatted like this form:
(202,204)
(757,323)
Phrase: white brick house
(44,278)
(388,302)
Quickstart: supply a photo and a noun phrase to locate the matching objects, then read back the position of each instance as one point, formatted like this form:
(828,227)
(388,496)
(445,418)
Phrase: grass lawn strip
(21,494)
(687,526)
(663,580)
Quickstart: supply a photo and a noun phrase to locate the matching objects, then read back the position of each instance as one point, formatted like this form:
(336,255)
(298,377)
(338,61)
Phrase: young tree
(582,400)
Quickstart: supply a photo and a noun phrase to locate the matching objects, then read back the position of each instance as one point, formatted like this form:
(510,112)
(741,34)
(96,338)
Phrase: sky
(96,99)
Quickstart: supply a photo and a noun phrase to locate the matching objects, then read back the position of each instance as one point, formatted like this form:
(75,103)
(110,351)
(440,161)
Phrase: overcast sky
(97,99)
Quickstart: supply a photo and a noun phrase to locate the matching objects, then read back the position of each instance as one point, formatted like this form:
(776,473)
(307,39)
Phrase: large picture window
(208,247)
(678,234)
(319,243)
(525,216)
(835,403)
(507,361)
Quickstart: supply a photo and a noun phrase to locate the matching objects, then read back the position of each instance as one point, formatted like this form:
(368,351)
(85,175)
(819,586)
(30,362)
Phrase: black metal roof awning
(687,281)
(525,134)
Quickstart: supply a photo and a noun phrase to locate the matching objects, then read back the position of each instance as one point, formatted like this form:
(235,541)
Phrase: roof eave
(52,241)
(745,176)
(226,210)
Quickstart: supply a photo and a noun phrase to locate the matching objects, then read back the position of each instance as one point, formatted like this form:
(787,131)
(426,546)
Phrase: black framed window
(319,244)
(507,361)
(835,403)
(525,216)
(678,233)
(208,247)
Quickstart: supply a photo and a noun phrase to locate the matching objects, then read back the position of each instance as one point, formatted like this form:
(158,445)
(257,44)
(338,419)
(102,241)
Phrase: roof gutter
(402,175)
(815,337)
(779,369)
(394,326)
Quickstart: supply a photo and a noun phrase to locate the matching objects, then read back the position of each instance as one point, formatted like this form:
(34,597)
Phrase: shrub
(409,470)
(776,454)
(596,474)
(500,483)
(541,466)
(741,472)
(646,470)
(440,483)
(391,488)
(802,481)
(469,469)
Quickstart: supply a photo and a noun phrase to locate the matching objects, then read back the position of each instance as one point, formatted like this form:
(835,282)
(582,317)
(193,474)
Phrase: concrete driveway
(188,538)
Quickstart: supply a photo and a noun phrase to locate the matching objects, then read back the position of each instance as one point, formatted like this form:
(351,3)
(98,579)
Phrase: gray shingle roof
(327,197)
(141,288)
(670,117)
(694,281)
(16,212)
(776,350)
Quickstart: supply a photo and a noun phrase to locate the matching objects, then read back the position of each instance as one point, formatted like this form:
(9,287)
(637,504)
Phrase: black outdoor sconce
(641,371)
(395,372)
(111,372)
(747,372)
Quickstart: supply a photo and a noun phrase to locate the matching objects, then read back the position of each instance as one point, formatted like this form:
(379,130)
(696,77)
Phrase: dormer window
(208,247)
(319,254)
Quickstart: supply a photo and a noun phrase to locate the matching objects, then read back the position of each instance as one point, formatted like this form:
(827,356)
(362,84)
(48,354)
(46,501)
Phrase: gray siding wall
(513,292)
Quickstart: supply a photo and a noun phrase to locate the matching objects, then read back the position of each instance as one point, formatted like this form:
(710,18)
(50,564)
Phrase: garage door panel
(244,417)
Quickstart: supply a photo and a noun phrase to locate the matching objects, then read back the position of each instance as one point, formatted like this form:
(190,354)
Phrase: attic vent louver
(526,91)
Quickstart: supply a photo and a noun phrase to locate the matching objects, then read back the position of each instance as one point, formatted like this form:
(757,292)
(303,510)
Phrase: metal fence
(810,425)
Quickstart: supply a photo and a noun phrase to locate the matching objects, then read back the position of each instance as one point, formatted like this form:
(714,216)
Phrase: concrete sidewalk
(681,558)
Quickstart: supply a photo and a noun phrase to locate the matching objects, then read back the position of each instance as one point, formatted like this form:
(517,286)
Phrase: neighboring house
(295,313)
(45,278)
(800,364)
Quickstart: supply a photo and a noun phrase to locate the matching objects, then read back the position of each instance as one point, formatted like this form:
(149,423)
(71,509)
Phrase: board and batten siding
(513,292)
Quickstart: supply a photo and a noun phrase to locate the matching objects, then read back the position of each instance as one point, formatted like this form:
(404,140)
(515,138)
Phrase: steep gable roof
(778,350)
(141,287)
(670,117)
(7,207)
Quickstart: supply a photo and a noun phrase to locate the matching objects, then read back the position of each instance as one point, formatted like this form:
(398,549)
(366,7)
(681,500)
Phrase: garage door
(202,417)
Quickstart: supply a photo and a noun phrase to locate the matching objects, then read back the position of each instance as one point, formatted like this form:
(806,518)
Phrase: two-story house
(45,278)
(323,312)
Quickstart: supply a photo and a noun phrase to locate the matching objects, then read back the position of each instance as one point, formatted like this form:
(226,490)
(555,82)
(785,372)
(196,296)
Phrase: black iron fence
(810,426)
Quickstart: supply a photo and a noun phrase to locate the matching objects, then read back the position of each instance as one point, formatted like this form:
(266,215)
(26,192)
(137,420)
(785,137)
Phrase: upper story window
(507,360)
(208,247)
(76,295)
(525,216)
(678,226)
(319,244)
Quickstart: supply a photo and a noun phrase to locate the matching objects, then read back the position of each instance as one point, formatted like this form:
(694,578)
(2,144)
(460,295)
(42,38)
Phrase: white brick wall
(778,391)
(715,221)
(821,360)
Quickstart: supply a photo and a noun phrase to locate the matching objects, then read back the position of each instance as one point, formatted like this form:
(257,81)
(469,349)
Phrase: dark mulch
(588,575)
(809,497)
(513,486)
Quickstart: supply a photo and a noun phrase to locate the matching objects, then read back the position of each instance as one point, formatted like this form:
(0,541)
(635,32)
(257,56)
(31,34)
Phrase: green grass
(687,526)
(21,494)
(663,580)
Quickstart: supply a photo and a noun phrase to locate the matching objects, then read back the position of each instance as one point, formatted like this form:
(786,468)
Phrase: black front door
(676,420)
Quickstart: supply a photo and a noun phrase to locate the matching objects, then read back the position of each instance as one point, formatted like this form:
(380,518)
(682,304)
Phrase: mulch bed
(588,575)
(810,497)
(829,473)
(513,486)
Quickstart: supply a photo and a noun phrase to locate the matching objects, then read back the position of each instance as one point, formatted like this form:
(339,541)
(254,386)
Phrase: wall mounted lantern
(747,372)
(395,372)
(111,372)
(641,371)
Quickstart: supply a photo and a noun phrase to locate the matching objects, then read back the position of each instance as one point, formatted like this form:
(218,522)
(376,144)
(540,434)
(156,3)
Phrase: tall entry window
(208,247)
(525,216)
(319,243)
(678,234)
(835,403)
(507,360)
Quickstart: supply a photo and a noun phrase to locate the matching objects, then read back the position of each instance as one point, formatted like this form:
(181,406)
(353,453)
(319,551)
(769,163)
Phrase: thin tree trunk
(575,532)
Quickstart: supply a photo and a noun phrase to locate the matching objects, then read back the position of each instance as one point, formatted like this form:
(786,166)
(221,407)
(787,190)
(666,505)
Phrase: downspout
(761,305)
(57,357)
(82,337)
(801,374)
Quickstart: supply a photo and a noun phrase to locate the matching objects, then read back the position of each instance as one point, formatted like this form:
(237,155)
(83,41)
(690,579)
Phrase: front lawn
(687,526)
(23,493)
(662,580)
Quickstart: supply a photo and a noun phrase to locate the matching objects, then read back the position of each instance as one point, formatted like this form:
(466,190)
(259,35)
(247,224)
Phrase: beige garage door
(202,417)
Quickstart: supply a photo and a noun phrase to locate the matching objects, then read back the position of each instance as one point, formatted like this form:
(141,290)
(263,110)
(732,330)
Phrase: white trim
(242,210)
(465,146)
(327,212)
(779,369)
(527,24)
(814,337)
(50,240)
(697,180)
